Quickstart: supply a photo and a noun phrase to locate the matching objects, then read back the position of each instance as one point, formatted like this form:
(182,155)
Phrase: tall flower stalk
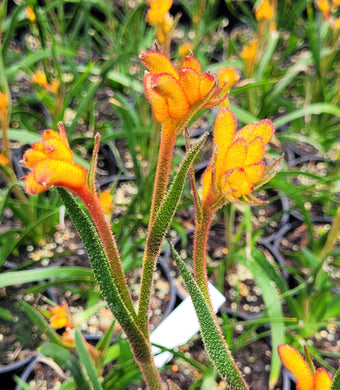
(236,168)
(175,96)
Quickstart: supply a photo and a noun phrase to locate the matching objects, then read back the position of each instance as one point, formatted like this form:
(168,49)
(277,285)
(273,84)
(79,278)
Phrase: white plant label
(180,326)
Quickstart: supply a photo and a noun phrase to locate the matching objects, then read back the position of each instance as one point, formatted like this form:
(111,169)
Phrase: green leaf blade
(212,337)
(86,360)
(65,359)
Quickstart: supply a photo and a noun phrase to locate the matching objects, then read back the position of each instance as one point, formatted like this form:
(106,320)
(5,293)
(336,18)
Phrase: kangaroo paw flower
(52,164)
(237,165)
(176,95)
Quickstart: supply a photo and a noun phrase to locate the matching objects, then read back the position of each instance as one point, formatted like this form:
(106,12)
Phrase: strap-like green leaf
(5,314)
(336,380)
(39,320)
(32,275)
(6,250)
(105,341)
(68,385)
(212,337)
(102,273)
(65,359)
(93,165)
(273,308)
(315,108)
(87,362)
(24,385)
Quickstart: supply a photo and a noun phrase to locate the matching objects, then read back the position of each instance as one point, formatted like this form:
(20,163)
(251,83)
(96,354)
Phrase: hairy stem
(167,144)
(93,205)
(168,140)
(200,253)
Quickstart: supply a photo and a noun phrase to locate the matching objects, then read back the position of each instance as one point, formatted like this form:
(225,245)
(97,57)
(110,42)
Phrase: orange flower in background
(30,14)
(249,52)
(335,24)
(227,77)
(157,11)
(237,167)
(3,160)
(176,95)
(159,17)
(184,49)
(53,86)
(52,164)
(107,203)
(324,7)
(305,376)
(67,338)
(60,317)
(39,78)
(264,12)
(3,104)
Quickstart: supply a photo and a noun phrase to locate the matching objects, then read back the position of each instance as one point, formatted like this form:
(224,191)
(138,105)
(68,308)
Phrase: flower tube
(306,377)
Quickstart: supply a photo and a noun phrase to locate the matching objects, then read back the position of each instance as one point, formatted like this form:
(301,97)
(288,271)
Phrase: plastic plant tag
(180,326)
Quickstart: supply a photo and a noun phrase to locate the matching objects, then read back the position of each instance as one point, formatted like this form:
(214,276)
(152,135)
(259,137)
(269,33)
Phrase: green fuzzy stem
(151,375)
(166,148)
(200,254)
(158,229)
(94,207)
(212,335)
(102,271)
(336,380)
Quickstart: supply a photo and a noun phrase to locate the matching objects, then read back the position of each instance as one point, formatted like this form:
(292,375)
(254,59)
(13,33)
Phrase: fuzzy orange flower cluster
(328,9)
(60,317)
(39,78)
(249,52)
(3,159)
(176,95)
(52,164)
(159,17)
(227,77)
(305,376)
(30,14)
(237,166)
(265,11)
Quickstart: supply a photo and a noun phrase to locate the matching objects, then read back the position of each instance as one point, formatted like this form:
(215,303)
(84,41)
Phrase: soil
(272,215)
(239,287)
(253,360)
(45,375)
(18,338)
